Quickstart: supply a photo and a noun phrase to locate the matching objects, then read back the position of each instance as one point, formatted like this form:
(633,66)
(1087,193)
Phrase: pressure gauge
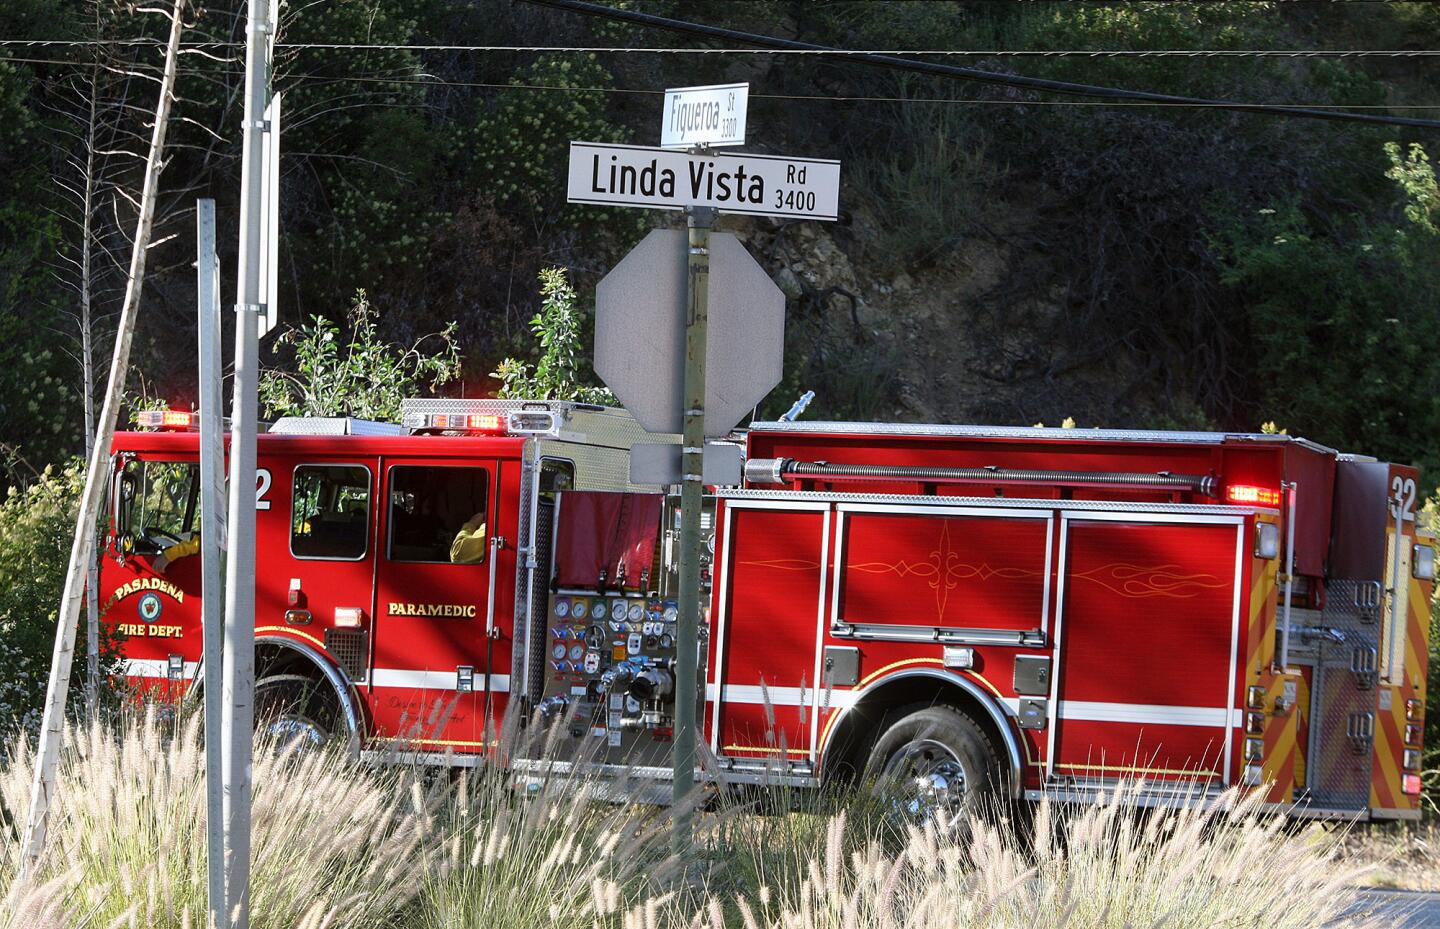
(577,652)
(598,609)
(666,641)
(671,614)
(562,608)
(637,610)
(558,651)
(579,607)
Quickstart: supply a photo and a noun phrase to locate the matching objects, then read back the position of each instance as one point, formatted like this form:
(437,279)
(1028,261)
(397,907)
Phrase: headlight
(1255,697)
(1254,749)
(1412,759)
(1255,723)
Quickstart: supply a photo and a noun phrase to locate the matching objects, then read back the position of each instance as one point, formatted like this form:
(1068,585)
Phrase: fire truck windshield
(160,505)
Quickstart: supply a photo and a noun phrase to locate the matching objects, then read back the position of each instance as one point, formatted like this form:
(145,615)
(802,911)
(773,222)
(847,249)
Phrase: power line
(826,52)
(1043,85)
(825,98)
(437,82)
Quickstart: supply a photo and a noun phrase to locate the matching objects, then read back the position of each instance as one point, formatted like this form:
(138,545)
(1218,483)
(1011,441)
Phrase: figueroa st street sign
(761,185)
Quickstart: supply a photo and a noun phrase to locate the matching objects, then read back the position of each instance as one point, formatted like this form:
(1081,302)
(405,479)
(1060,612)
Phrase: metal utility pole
(692,488)
(212,528)
(52,726)
(239,670)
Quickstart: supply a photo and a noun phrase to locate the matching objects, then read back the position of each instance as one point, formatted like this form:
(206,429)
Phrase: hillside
(1002,256)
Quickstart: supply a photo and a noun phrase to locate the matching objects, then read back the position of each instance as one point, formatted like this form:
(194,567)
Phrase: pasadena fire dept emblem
(438,610)
(149,607)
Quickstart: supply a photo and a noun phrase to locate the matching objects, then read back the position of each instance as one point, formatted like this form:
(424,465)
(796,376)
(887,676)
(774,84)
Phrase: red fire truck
(1042,611)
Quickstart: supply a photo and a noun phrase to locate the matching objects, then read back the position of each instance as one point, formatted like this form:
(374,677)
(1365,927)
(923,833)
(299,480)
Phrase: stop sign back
(640,332)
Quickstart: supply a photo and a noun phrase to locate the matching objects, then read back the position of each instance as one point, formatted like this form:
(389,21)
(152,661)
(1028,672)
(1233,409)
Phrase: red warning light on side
(1249,493)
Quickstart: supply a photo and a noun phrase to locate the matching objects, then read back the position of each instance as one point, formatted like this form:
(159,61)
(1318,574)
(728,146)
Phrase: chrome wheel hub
(924,778)
(294,734)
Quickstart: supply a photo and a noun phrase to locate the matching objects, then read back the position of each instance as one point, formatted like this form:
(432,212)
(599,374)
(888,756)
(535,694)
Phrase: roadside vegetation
(340,845)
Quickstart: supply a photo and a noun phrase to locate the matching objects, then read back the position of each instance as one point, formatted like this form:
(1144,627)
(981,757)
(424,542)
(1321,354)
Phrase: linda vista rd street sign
(760,185)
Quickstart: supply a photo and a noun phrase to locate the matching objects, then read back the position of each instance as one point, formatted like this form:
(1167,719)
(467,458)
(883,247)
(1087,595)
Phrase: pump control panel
(609,673)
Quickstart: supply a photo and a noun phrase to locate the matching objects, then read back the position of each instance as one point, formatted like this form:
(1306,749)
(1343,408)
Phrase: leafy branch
(556,376)
(365,377)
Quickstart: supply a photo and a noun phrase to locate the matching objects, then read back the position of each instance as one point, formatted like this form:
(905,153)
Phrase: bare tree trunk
(87,394)
(53,725)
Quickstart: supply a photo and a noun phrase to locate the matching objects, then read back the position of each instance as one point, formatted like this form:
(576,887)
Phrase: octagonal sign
(640,309)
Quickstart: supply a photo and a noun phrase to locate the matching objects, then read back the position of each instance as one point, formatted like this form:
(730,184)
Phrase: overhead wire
(1162,101)
(816,98)
(977,75)
(827,52)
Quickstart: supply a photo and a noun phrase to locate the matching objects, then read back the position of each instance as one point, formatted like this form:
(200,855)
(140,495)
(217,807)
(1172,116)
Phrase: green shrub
(365,377)
(1337,319)
(37,526)
(559,374)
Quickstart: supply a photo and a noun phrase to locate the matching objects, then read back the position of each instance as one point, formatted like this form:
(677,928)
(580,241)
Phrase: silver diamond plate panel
(1343,639)
(332,425)
(579,422)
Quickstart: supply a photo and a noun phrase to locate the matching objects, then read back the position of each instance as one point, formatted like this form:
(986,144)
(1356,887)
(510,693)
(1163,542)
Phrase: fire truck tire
(932,757)
(297,711)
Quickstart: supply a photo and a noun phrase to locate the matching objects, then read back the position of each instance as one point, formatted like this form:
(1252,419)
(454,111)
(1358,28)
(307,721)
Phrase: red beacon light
(482,423)
(171,420)
(1252,495)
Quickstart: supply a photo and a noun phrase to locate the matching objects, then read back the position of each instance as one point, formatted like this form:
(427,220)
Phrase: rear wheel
(297,712)
(934,758)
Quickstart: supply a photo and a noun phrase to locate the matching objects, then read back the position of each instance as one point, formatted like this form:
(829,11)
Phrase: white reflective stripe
(433,680)
(780,696)
(156,667)
(1144,713)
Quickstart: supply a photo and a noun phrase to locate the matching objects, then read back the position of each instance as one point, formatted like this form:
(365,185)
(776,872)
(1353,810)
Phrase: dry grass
(1404,856)
(549,852)
(1094,868)
(339,846)
(333,843)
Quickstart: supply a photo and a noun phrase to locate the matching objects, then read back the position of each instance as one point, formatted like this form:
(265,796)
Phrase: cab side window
(160,503)
(330,512)
(439,514)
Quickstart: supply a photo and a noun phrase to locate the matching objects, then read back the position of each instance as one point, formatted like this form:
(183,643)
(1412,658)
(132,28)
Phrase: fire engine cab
(1042,612)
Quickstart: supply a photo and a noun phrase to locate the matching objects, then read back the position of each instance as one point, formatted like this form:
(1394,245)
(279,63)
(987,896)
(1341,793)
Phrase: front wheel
(933,759)
(296,712)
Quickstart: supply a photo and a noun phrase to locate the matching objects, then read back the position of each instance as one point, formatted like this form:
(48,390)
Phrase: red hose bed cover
(606,539)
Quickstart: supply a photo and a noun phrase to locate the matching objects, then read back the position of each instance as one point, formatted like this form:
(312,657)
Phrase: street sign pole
(212,500)
(237,725)
(692,488)
(666,374)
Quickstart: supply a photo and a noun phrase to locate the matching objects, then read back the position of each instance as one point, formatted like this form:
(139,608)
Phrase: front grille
(351,650)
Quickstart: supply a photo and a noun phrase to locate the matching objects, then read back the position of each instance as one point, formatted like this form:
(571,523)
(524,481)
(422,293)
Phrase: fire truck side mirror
(124,494)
